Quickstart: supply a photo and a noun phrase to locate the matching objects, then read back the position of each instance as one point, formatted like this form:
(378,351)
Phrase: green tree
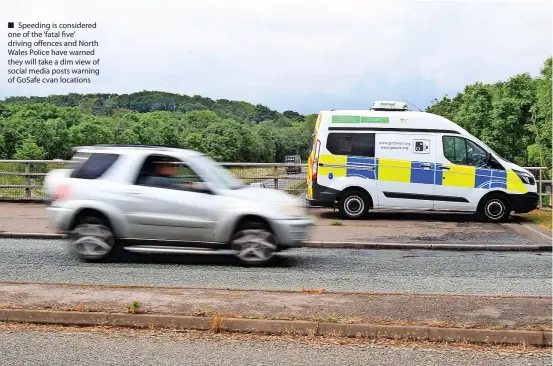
(29,150)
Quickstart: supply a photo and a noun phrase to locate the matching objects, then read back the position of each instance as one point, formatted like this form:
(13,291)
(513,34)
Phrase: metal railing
(543,185)
(22,180)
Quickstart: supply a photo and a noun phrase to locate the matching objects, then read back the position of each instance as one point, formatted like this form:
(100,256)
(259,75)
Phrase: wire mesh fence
(22,180)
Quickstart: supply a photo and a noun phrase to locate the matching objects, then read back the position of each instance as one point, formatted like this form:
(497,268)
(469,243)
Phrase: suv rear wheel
(255,244)
(92,239)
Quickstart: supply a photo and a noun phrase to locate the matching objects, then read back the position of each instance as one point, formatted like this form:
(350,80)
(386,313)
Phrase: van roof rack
(389,106)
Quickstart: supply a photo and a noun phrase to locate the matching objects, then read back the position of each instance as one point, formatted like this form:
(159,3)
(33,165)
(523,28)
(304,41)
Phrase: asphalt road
(499,273)
(82,348)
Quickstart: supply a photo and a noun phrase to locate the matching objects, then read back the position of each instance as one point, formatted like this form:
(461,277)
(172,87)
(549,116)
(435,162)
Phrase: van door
(405,170)
(462,177)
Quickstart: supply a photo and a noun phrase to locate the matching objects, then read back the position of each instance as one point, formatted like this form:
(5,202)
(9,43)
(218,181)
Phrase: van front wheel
(353,205)
(495,208)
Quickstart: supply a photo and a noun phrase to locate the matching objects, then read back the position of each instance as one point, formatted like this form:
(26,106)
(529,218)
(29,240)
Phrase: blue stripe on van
(498,179)
(483,178)
(420,174)
(362,162)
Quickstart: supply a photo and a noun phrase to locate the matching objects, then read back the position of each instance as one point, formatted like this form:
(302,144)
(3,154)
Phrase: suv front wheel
(92,239)
(255,244)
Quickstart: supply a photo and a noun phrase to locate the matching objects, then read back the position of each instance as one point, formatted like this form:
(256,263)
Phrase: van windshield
(490,149)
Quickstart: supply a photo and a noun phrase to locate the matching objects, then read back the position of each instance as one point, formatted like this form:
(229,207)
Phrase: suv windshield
(219,176)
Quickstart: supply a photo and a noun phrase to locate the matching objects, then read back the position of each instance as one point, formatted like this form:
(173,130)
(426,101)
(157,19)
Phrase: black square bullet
(10,24)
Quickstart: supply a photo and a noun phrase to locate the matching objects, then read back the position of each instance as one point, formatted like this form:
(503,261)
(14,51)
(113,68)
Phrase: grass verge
(540,217)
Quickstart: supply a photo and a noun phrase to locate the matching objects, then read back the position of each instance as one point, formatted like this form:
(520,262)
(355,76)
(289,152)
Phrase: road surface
(41,347)
(447,272)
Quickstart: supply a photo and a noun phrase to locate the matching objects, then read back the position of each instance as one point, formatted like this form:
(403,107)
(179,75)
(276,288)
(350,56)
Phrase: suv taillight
(62,192)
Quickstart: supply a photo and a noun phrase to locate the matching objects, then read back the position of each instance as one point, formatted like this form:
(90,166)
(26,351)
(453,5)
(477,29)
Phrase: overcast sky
(303,55)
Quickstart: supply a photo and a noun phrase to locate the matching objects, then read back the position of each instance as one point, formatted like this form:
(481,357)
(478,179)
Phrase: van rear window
(353,144)
(93,166)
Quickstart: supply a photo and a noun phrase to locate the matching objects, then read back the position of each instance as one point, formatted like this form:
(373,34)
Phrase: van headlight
(525,177)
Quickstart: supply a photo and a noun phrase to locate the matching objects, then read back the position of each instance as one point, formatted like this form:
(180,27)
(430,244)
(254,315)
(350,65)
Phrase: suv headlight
(525,177)
(291,210)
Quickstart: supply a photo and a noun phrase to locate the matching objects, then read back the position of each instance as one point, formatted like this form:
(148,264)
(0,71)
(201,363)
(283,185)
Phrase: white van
(389,157)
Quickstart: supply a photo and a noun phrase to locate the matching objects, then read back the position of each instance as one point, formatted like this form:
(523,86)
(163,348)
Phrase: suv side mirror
(202,187)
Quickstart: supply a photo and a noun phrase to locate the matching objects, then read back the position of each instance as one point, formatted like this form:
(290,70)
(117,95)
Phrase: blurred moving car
(153,199)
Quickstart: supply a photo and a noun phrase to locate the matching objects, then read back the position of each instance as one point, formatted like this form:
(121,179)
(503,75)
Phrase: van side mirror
(489,159)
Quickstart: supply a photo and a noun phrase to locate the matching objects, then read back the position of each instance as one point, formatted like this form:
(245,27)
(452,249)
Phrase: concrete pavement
(453,311)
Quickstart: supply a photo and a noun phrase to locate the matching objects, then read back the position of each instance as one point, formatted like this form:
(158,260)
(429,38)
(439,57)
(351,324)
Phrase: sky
(301,55)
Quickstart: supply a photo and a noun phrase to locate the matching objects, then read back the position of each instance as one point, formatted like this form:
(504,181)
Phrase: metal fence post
(540,191)
(27,180)
(275,174)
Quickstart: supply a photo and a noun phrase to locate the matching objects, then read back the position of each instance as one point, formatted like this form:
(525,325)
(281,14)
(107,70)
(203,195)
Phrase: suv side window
(173,175)
(95,166)
(186,175)
(352,144)
(461,151)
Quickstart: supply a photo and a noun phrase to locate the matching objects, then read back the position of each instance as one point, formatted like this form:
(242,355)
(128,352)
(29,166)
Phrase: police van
(390,157)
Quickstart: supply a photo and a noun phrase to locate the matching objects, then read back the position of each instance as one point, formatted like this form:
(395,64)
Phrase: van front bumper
(523,203)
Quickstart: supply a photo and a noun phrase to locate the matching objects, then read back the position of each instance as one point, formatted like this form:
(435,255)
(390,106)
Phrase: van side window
(461,151)
(352,144)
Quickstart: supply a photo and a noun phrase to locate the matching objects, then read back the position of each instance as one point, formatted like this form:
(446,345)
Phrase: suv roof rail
(126,145)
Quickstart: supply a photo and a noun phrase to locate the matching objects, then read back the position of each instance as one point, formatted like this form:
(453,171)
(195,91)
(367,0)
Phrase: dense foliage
(513,117)
(47,127)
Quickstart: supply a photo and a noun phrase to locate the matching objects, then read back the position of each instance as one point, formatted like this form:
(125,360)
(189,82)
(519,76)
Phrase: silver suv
(153,199)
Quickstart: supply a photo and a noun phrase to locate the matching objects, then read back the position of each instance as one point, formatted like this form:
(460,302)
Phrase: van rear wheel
(353,205)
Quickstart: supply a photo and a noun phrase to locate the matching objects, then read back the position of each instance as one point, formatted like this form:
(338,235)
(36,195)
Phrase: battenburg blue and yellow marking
(392,170)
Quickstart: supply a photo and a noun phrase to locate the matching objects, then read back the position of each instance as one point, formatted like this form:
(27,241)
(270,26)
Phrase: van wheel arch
(356,189)
(501,198)
(354,203)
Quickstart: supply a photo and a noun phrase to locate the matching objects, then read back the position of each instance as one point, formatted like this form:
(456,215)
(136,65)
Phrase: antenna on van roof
(420,110)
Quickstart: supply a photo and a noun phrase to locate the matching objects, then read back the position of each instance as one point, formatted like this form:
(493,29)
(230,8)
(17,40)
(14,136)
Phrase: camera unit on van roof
(389,106)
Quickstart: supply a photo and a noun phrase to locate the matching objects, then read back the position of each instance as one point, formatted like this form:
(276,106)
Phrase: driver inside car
(165,176)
